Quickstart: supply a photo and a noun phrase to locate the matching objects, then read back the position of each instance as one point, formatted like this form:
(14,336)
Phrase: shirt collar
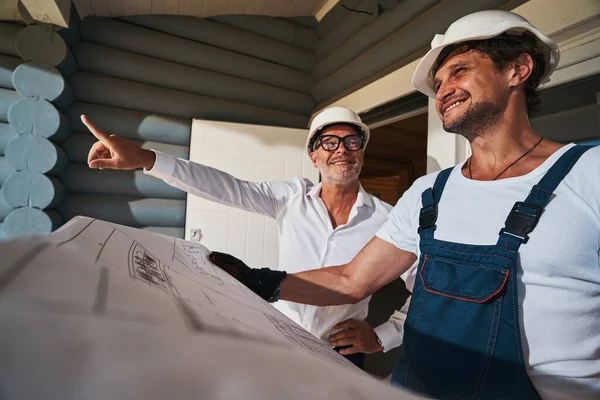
(363,198)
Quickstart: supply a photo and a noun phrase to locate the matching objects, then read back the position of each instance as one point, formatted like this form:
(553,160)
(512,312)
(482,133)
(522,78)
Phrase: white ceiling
(204,8)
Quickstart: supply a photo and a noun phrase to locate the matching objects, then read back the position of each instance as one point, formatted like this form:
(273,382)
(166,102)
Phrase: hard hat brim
(421,79)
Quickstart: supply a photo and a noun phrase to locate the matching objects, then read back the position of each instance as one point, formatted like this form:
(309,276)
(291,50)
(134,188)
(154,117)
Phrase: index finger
(103,137)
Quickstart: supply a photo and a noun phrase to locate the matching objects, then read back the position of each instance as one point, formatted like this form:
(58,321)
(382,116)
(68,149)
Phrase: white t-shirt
(559,270)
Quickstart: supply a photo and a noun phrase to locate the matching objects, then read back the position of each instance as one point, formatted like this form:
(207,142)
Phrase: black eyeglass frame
(340,139)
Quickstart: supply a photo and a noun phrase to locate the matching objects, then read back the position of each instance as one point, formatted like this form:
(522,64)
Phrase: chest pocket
(461,280)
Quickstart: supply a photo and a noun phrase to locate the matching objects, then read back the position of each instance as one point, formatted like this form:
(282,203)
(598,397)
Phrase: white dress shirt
(307,239)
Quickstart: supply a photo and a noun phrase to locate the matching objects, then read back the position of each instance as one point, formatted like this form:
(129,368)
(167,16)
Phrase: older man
(319,225)
(506,304)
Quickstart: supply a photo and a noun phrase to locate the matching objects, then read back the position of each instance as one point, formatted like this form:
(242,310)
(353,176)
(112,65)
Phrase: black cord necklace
(513,163)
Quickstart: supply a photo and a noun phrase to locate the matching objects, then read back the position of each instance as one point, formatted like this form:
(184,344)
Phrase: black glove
(264,281)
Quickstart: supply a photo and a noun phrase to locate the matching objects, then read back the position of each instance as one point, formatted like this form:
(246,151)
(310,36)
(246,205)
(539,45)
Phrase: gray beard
(476,120)
(342,180)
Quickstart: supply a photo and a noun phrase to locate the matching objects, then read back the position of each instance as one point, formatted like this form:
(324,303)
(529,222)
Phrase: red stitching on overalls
(516,329)
(488,294)
(489,364)
(478,255)
(421,302)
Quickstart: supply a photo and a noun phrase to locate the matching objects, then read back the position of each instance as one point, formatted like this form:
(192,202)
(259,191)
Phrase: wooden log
(275,28)
(42,44)
(115,63)
(128,37)
(225,37)
(125,210)
(33,79)
(177,232)
(371,35)
(5,208)
(98,89)
(71,35)
(351,24)
(32,189)
(6,135)
(36,154)
(33,116)
(132,124)
(346,68)
(8,33)
(332,19)
(79,178)
(30,221)
(6,170)
(8,64)
(78,145)
(7,99)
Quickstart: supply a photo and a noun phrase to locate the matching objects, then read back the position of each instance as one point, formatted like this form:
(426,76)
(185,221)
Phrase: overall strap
(430,199)
(525,215)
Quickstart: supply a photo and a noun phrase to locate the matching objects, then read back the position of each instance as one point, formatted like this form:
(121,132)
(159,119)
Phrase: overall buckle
(427,218)
(522,220)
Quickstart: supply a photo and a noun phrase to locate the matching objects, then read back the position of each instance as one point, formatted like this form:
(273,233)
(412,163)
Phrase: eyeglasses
(332,142)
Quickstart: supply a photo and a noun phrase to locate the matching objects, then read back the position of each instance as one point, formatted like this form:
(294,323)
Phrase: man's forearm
(321,287)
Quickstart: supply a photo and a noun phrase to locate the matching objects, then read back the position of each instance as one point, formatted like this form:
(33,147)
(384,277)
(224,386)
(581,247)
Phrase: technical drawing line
(174,243)
(103,244)
(19,265)
(101,298)
(59,244)
(190,318)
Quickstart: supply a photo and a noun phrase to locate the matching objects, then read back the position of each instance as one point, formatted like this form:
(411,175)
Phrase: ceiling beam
(325,8)
(9,10)
(55,12)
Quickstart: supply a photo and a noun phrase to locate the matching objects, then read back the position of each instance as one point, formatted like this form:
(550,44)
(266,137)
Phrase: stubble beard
(476,120)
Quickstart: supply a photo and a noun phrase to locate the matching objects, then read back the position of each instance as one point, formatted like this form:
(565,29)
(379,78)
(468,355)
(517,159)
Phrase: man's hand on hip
(113,152)
(264,281)
(357,334)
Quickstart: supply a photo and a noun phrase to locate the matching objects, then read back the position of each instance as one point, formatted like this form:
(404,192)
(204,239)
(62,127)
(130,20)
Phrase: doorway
(395,157)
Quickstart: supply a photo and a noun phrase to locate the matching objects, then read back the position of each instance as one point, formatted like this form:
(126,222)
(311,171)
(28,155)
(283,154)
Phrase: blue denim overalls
(461,336)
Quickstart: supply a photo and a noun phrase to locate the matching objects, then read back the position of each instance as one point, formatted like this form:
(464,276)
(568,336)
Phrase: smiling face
(471,93)
(339,167)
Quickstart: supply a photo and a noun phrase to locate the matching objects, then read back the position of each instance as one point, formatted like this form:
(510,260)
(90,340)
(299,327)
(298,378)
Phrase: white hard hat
(336,115)
(479,26)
